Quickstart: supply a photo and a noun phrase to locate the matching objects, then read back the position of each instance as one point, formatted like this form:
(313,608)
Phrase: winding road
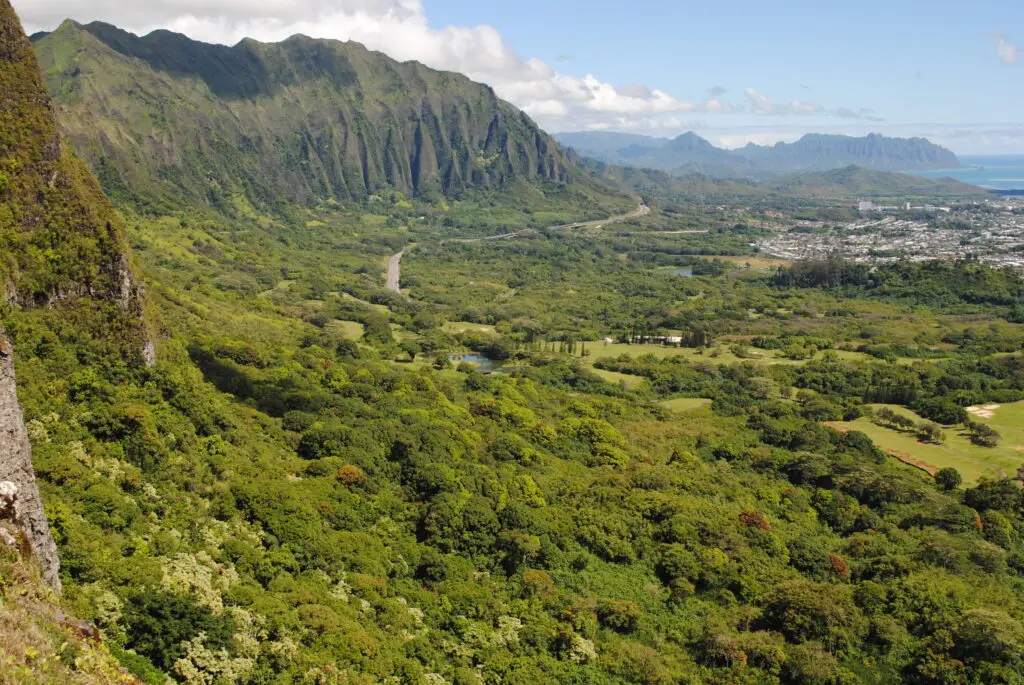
(395,272)
(395,262)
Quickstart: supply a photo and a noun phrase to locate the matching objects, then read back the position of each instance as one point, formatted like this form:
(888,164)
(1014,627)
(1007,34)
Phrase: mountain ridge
(304,120)
(843,183)
(812,152)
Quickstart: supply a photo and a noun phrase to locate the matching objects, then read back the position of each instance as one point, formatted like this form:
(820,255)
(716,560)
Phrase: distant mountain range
(842,183)
(689,153)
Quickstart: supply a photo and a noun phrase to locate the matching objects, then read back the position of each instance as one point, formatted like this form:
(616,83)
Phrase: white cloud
(733,140)
(400,29)
(798,107)
(1007,51)
(763,105)
(713,104)
(760,103)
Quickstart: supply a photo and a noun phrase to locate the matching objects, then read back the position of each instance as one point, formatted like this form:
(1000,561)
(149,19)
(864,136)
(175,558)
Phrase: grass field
(401,334)
(616,377)
(350,330)
(719,354)
(756,263)
(686,403)
(464,326)
(1008,419)
(957,451)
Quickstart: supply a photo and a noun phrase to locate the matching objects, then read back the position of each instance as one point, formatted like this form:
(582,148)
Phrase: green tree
(949,478)
(159,622)
(411,348)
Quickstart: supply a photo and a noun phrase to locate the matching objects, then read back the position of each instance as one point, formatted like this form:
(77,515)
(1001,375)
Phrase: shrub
(351,476)
(619,615)
(752,518)
(538,583)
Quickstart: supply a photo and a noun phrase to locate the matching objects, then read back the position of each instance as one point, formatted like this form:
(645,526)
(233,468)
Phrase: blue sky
(914,63)
(735,71)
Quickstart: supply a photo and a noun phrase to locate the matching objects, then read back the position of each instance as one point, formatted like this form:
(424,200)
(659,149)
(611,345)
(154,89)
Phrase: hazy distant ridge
(690,153)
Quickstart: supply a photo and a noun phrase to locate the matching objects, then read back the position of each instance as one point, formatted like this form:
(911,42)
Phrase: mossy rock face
(58,230)
(60,238)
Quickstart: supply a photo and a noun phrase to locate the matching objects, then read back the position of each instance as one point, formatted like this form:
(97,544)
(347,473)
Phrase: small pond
(685,272)
(481,361)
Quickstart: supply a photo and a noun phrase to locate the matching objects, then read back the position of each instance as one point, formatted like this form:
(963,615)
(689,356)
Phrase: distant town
(991,231)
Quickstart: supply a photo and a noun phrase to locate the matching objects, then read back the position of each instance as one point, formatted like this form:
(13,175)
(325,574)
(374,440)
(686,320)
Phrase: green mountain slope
(854,181)
(690,153)
(302,121)
(59,236)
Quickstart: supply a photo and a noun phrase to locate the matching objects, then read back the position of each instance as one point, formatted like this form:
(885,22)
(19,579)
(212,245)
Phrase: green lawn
(1008,419)
(716,355)
(686,403)
(401,334)
(957,451)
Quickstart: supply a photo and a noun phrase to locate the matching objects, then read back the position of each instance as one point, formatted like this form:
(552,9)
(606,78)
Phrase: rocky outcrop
(24,506)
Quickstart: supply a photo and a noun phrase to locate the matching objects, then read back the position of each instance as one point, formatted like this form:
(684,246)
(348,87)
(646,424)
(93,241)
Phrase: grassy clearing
(465,326)
(350,330)
(686,403)
(972,461)
(378,307)
(719,354)
(401,334)
(616,377)
(1008,419)
(756,263)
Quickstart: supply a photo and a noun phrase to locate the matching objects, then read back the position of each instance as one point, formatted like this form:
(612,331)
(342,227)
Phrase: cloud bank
(400,28)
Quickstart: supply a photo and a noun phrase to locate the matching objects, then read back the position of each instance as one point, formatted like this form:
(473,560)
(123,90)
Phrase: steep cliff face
(61,244)
(16,467)
(59,236)
(299,121)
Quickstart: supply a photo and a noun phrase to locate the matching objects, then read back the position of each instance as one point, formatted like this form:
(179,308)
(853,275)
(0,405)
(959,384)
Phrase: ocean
(1005,172)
